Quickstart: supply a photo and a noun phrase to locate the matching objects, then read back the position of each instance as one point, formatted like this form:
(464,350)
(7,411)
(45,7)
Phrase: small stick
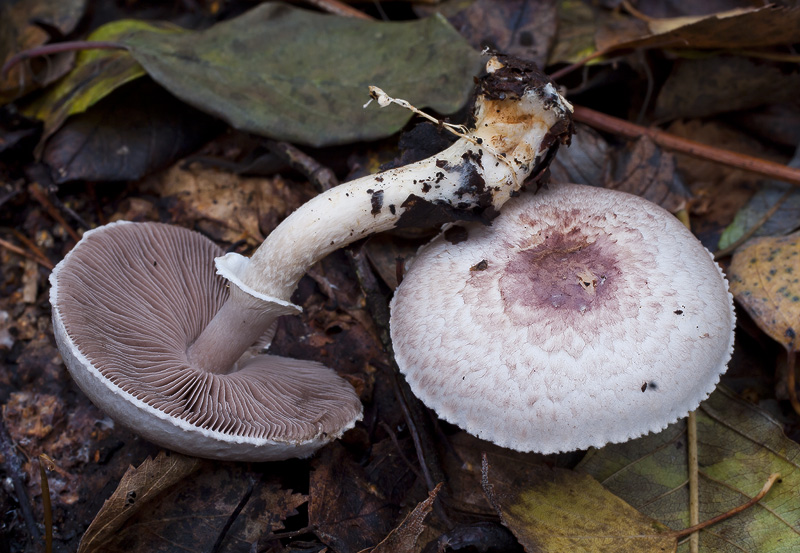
(31,245)
(669,141)
(564,71)
(16,249)
(36,191)
(694,484)
(57,48)
(724,252)
(678,534)
(336,7)
(45,464)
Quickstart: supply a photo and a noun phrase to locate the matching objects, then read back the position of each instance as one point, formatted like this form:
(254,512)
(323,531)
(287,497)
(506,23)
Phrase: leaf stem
(669,141)
(694,487)
(57,48)
(678,534)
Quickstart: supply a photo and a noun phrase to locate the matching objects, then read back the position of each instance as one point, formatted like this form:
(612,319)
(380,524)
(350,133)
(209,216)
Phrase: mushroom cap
(128,301)
(582,316)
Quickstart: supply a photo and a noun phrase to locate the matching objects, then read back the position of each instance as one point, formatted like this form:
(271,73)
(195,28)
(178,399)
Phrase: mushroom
(156,339)
(581,317)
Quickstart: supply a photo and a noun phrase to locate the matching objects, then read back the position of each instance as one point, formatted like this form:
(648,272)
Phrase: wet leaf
(210,506)
(302,77)
(745,28)
(23,26)
(765,279)
(127,135)
(739,446)
(708,86)
(585,161)
(137,489)
(783,220)
(349,512)
(403,539)
(556,510)
(226,206)
(518,28)
(96,74)
(577,25)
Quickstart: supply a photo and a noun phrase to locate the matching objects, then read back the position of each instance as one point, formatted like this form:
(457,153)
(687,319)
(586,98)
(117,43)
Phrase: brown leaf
(556,510)
(746,28)
(517,27)
(403,538)
(348,511)
(138,487)
(228,207)
(644,169)
(765,280)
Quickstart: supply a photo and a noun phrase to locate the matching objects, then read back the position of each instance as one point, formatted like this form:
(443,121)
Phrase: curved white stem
(471,179)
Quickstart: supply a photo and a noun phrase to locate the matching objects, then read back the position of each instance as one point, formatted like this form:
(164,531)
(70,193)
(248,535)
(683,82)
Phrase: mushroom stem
(519,118)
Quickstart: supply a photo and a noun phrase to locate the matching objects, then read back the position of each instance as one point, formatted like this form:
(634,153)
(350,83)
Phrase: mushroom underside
(127,303)
(582,316)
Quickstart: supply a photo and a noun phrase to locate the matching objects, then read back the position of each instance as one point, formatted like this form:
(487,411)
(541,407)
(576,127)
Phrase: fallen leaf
(138,130)
(765,279)
(739,446)
(519,28)
(227,206)
(302,77)
(349,508)
(577,24)
(23,26)
(556,510)
(707,86)
(749,28)
(137,489)
(403,539)
(96,74)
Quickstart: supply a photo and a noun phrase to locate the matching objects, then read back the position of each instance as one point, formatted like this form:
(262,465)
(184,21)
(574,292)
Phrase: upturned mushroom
(581,317)
(155,338)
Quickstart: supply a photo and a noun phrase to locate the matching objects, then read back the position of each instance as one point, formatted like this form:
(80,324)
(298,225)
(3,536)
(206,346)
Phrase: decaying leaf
(739,446)
(127,135)
(746,28)
(200,505)
(227,206)
(556,510)
(138,487)
(765,279)
(300,76)
(403,539)
(23,25)
(782,200)
(96,74)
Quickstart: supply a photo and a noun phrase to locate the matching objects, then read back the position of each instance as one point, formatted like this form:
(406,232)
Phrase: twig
(45,464)
(669,141)
(564,71)
(58,48)
(322,177)
(336,7)
(678,534)
(16,249)
(694,487)
(39,195)
(752,230)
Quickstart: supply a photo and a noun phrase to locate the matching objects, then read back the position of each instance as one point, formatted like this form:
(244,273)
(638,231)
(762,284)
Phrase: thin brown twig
(759,166)
(57,48)
(39,195)
(752,230)
(678,534)
(564,71)
(24,253)
(31,245)
(694,481)
(336,7)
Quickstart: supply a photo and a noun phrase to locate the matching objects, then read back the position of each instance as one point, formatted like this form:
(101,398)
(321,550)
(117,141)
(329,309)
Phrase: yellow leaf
(765,280)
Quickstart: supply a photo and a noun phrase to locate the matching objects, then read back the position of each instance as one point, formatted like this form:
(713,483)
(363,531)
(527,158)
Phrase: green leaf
(301,76)
(739,446)
(556,510)
(96,74)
